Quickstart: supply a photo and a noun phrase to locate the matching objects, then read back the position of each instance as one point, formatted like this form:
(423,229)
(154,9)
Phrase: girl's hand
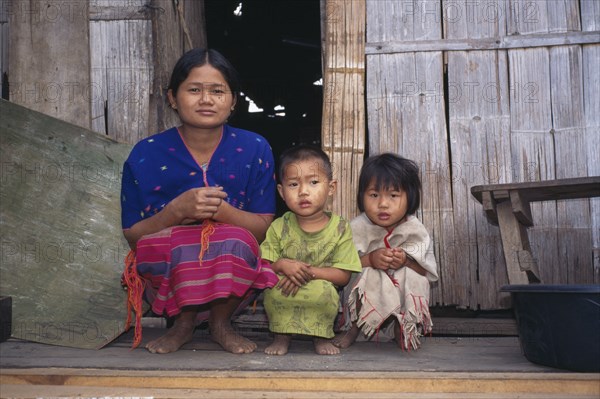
(381,258)
(198,203)
(298,273)
(399,258)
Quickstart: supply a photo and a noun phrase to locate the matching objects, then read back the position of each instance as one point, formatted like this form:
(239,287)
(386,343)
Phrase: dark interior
(276,47)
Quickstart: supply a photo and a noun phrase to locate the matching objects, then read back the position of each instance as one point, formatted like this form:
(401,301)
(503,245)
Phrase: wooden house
(475,92)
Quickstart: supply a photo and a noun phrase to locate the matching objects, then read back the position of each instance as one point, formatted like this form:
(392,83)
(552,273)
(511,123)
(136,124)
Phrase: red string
(135,290)
(208,228)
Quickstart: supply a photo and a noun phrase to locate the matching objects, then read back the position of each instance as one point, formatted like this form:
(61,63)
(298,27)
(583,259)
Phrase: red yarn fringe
(208,228)
(135,291)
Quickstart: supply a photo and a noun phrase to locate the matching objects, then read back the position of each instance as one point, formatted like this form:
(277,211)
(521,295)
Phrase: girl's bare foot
(325,347)
(280,345)
(230,340)
(178,335)
(347,338)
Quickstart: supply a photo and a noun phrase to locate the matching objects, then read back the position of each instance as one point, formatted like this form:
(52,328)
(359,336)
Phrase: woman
(196,200)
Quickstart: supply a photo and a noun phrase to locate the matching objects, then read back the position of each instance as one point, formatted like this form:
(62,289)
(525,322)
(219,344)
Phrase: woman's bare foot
(325,347)
(230,340)
(178,335)
(280,345)
(347,338)
(221,330)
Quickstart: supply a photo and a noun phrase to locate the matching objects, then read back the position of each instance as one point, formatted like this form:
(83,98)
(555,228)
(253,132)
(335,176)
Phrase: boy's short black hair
(302,153)
(391,171)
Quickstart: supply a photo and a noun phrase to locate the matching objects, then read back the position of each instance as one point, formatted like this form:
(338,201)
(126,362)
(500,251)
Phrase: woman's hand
(198,204)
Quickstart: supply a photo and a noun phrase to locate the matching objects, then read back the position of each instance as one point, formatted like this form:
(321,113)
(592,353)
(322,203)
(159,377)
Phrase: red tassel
(135,290)
(208,228)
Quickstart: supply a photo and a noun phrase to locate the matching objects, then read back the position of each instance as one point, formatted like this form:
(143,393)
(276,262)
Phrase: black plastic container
(559,325)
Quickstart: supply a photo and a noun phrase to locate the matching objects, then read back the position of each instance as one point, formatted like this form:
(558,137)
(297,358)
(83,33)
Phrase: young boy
(311,250)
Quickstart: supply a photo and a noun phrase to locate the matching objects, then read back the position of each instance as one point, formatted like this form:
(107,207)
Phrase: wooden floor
(445,367)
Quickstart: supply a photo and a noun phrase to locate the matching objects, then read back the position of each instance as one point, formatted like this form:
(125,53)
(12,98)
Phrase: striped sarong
(174,277)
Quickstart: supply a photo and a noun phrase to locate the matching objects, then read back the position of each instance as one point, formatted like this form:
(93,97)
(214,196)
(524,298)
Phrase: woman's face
(203,100)
(385,207)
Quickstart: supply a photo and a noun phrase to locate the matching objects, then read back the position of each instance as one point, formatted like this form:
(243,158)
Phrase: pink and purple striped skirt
(174,277)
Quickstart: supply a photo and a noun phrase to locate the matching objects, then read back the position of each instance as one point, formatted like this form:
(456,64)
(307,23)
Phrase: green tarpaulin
(62,249)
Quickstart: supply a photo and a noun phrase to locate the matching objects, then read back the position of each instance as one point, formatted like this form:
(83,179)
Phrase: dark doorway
(276,47)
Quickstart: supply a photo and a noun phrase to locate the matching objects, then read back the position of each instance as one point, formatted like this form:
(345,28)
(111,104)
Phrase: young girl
(311,250)
(390,297)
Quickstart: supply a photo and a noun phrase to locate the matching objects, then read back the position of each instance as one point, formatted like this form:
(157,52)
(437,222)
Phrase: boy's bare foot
(231,341)
(325,347)
(175,338)
(347,338)
(280,345)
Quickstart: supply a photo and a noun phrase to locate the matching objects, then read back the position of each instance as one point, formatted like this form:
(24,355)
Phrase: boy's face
(305,187)
(385,207)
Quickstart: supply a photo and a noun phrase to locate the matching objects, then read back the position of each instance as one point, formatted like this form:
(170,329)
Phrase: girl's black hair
(391,171)
(301,153)
(198,57)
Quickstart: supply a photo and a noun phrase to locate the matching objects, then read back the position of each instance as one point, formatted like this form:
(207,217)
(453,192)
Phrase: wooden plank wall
(484,93)
(590,22)
(101,64)
(3,43)
(134,47)
(406,115)
(50,76)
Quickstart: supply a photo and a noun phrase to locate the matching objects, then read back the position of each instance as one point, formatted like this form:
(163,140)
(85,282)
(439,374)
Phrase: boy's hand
(297,272)
(287,287)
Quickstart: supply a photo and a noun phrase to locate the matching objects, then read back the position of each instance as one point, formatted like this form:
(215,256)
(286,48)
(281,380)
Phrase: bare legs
(219,323)
(221,330)
(179,334)
(347,338)
(281,343)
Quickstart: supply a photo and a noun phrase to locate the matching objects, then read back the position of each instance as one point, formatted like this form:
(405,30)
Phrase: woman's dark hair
(302,153)
(394,172)
(198,57)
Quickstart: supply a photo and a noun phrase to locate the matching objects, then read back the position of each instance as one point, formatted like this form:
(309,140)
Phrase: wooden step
(274,384)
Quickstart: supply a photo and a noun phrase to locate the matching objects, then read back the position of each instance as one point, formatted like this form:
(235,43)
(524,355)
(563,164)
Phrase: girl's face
(305,188)
(385,207)
(203,100)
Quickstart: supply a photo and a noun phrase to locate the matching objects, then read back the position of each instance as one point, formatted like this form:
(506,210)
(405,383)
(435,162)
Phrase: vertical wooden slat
(479,143)
(573,217)
(52,38)
(121,72)
(171,37)
(590,17)
(343,128)
(406,115)
(3,43)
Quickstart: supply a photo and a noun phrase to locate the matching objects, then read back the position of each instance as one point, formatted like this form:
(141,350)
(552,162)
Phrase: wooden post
(176,27)
(343,127)
(49,65)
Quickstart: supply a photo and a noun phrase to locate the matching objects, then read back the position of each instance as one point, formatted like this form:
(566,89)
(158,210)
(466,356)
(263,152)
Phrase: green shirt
(331,247)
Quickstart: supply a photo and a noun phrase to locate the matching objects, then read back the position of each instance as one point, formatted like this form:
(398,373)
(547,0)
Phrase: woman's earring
(232,109)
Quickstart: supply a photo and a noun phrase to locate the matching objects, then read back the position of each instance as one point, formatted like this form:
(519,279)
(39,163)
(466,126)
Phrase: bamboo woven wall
(490,92)
(343,128)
